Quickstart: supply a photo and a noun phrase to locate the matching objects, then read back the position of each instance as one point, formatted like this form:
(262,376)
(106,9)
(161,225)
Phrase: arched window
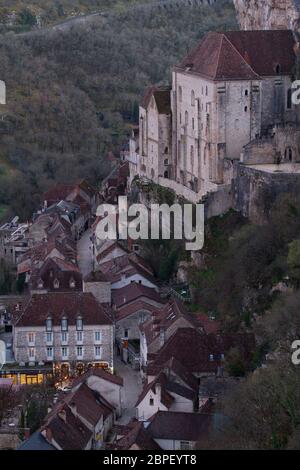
(246,93)
(152,173)
(166,174)
(186,118)
(192,157)
(56,283)
(278,69)
(180,94)
(193,98)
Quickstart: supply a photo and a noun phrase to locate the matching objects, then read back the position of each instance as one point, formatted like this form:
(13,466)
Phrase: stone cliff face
(268,14)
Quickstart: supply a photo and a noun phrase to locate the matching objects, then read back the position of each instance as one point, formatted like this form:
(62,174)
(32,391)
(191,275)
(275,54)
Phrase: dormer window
(64,324)
(72,283)
(49,324)
(79,323)
(56,284)
(40,284)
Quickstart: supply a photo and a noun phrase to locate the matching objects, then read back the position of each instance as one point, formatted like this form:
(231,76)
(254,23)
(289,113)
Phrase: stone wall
(268,14)
(21,345)
(255,190)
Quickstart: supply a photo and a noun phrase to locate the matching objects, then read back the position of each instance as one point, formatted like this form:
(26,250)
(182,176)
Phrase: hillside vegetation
(72,94)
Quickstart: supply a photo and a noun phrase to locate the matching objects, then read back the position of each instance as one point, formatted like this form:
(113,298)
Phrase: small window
(211,357)
(49,353)
(246,109)
(98,336)
(56,284)
(126,333)
(186,118)
(31,337)
(64,337)
(206,91)
(193,98)
(246,93)
(193,123)
(49,324)
(79,324)
(278,69)
(72,283)
(31,353)
(49,337)
(180,94)
(98,352)
(79,336)
(64,352)
(185,445)
(151,402)
(64,324)
(79,351)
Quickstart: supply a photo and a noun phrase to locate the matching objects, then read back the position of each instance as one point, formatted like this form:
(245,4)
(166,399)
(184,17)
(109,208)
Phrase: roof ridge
(238,52)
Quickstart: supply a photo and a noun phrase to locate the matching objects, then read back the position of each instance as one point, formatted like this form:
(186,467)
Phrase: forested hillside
(72,94)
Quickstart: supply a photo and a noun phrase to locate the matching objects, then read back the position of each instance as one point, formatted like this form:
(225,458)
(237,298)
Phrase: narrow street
(85,254)
(132,389)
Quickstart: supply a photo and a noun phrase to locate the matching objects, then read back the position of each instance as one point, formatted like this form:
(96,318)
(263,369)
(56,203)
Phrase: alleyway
(132,389)
(84,253)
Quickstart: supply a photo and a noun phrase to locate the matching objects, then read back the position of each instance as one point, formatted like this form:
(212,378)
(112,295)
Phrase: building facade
(71,331)
(224,95)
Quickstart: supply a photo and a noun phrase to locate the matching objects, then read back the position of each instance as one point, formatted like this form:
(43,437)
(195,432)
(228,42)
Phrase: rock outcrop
(268,14)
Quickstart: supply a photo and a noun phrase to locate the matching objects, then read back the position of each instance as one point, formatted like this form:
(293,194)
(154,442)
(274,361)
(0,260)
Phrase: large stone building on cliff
(230,102)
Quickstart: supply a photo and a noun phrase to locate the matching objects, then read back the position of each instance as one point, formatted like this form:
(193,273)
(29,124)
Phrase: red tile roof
(132,308)
(243,55)
(200,352)
(67,430)
(135,435)
(58,305)
(101,373)
(178,426)
(133,291)
(162,97)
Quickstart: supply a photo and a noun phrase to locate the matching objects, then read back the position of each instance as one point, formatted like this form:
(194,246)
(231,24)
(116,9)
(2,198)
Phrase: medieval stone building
(230,104)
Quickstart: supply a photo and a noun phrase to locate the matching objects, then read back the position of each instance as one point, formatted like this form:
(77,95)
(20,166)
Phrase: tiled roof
(124,266)
(88,404)
(201,352)
(162,97)
(167,388)
(132,292)
(56,269)
(136,435)
(164,318)
(98,372)
(67,431)
(179,426)
(132,308)
(58,305)
(244,55)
